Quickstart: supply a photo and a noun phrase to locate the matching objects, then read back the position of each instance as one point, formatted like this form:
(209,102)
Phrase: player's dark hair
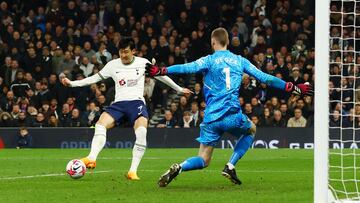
(221,35)
(125,43)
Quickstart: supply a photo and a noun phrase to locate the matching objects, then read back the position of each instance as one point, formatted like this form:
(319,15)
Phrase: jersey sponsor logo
(131,83)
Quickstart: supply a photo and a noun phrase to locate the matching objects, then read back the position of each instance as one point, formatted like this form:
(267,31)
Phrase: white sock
(98,141)
(230,165)
(139,148)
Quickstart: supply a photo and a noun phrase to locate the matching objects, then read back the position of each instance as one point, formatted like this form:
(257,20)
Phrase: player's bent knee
(106,120)
(140,122)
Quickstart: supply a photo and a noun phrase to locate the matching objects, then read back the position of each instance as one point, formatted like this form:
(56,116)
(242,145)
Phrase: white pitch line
(43,175)
(157,171)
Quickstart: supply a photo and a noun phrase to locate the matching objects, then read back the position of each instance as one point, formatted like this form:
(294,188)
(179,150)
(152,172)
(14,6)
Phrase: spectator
(86,66)
(19,85)
(183,105)
(44,68)
(277,120)
(266,117)
(71,102)
(53,121)
(148,90)
(30,60)
(335,119)
(168,121)
(15,111)
(256,106)
(92,114)
(66,66)
(187,120)
(32,112)
(23,103)
(10,74)
(194,111)
(74,120)
(23,120)
(45,109)
(197,96)
(101,102)
(40,121)
(296,79)
(64,116)
(248,110)
(5,119)
(8,102)
(236,47)
(24,139)
(247,90)
(175,111)
(29,80)
(5,67)
(103,56)
(56,60)
(44,94)
(93,25)
(87,51)
(298,120)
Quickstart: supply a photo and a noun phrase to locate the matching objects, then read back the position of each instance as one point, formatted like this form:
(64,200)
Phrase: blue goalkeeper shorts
(236,124)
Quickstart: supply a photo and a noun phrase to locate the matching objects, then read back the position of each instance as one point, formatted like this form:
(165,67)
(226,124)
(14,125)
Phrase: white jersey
(129,79)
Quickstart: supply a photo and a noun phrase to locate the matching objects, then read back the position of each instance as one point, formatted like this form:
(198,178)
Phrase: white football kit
(129,79)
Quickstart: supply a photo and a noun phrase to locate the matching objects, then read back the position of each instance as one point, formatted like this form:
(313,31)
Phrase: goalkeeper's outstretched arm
(301,89)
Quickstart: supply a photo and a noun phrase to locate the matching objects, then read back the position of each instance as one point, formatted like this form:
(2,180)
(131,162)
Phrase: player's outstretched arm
(300,89)
(169,82)
(84,82)
(187,68)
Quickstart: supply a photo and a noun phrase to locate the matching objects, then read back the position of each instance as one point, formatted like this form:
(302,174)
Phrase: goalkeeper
(222,73)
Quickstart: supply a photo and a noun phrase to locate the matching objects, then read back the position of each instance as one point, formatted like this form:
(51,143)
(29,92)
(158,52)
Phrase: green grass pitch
(38,175)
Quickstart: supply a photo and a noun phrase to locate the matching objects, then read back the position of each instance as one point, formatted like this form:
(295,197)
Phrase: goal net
(343,156)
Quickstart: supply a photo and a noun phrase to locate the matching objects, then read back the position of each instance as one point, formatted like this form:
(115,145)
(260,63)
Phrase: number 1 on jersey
(227,77)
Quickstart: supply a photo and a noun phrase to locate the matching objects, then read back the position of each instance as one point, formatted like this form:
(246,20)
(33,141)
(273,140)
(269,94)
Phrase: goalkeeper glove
(300,89)
(154,70)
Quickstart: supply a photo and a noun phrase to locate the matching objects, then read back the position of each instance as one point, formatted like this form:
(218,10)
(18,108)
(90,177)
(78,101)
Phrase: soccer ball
(76,168)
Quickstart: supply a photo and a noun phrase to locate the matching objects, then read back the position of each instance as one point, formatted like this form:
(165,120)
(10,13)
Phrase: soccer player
(128,73)
(223,72)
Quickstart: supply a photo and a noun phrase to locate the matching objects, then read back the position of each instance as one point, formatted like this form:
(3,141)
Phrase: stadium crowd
(43,41)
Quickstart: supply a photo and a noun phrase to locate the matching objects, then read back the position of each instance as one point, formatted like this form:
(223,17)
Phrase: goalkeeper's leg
(241,147)
(139,147)
(105,122)
(193,163)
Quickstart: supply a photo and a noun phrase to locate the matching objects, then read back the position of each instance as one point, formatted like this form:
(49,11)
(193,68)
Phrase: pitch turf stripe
(129,158)
(43,175)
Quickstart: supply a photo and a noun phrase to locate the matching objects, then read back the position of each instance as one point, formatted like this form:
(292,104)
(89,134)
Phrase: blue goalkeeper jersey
(223,73)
